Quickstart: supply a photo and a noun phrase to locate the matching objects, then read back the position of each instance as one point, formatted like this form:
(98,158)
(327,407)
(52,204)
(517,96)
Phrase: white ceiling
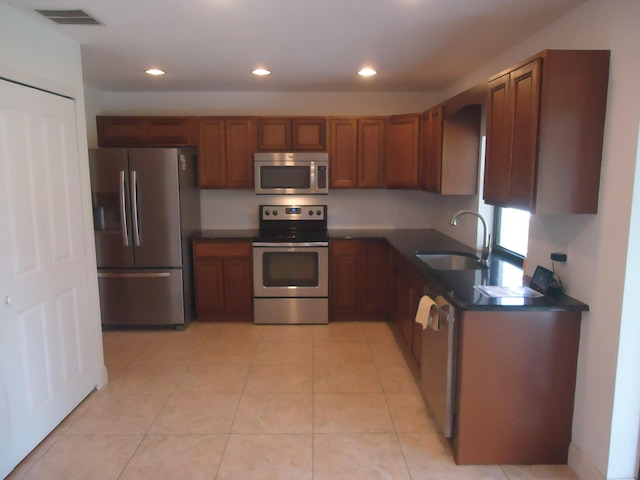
(309,45)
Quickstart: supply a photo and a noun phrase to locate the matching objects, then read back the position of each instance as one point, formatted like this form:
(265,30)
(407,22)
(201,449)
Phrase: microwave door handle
(123,210)
(312,177)
(134,207)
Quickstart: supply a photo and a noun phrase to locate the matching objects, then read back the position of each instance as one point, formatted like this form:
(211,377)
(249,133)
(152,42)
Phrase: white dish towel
(424,316)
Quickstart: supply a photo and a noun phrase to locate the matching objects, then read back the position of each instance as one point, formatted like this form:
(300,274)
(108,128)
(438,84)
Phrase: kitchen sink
(450,261)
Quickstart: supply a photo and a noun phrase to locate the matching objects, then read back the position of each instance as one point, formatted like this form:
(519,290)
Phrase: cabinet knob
(7,300)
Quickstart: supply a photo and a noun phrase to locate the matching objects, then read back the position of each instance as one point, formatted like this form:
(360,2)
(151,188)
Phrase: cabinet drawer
(222,249)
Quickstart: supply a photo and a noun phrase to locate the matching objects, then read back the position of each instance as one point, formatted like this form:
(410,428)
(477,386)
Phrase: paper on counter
(499,292)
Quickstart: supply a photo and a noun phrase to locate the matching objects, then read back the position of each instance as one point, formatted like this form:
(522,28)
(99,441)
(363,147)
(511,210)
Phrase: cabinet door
(498,156)
(431,153)
(212,170)
(343,297)
(239,153)
(343,149)
(512,138)
(209,285)
(144,131)
(238,291)
(402,156)
(168,131)
(121,131)
(524,97)
(416,334)
(373,269)
(403,303)
(274,134)
(371,145)
(308,134)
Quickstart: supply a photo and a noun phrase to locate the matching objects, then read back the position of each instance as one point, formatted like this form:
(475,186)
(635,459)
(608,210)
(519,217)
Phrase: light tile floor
(241,401)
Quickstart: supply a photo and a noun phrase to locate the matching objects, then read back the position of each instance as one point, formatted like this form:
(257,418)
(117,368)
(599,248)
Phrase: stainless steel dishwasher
(437,367)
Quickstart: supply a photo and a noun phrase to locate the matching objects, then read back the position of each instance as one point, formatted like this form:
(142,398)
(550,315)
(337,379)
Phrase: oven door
(291,270)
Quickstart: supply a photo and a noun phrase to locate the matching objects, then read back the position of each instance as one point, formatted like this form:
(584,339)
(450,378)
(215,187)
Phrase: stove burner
(292,223)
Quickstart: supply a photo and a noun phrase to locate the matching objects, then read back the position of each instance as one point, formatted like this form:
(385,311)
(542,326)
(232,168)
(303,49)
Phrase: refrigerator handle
(134,203)
(123,211)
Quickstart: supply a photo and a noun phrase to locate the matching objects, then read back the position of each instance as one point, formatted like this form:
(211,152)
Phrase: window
(511,233)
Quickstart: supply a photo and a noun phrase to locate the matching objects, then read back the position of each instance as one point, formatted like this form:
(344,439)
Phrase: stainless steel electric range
(291,265)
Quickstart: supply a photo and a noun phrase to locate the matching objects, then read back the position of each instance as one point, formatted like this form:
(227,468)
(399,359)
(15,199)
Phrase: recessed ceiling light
(367,72)
(154,71)
(261,72)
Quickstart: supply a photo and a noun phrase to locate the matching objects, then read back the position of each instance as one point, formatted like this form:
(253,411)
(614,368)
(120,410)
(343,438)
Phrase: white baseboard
(104,378)
(582,466)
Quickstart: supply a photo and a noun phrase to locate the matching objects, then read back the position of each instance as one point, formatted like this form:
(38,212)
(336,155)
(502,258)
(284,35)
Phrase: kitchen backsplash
(238,209)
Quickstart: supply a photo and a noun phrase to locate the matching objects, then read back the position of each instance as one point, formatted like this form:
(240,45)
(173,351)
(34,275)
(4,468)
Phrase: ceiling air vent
(69,17)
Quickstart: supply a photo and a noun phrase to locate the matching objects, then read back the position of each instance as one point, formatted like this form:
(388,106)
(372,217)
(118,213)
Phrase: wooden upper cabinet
(545,126)
(371,149)
(431,150)
(402,151)
(498,157)
(274,134)
(121,131)
(226,148)
(239,138)
(309,134)
(450,150)
(356,148)
(343,152)
(279,134)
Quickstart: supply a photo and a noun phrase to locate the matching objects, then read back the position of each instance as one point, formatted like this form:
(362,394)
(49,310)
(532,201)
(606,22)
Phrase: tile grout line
(235,413)
(166,401)
(393,422)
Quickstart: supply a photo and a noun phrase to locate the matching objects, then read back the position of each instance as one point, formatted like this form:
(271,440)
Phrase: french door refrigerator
(146,209)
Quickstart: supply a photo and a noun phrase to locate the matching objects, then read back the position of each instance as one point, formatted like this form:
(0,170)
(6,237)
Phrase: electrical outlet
(559,257)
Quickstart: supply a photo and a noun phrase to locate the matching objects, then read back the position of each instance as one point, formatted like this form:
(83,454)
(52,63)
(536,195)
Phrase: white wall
(601,248)
(33,54)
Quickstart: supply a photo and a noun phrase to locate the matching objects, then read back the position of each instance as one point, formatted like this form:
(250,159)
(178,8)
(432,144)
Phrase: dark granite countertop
(456,286)
(241,234)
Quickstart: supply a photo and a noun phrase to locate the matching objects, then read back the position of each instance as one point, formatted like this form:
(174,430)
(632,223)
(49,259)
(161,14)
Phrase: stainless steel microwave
(286,173)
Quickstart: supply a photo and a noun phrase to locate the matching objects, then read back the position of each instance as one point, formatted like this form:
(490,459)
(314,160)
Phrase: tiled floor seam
(235,413)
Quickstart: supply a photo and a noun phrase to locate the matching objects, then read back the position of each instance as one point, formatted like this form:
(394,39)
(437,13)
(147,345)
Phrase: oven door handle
(290,244)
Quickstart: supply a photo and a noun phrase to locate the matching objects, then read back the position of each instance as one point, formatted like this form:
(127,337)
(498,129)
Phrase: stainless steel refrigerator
(146,210)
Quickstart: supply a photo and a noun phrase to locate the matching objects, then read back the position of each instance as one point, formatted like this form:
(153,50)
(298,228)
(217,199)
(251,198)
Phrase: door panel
(498,153)
(525,96)
(110,200)
(156,214)
(45,326)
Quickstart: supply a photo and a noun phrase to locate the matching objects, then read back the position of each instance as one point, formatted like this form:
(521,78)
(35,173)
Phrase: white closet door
(44,314)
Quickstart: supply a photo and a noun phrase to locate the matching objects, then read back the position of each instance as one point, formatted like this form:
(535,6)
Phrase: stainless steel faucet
(486,248)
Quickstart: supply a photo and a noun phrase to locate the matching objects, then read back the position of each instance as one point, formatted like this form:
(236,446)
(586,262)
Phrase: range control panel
(293,212)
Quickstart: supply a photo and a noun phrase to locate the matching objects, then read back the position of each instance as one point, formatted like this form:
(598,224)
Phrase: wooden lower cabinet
(408,289)
(516,377)
(358,279)
(223,280)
